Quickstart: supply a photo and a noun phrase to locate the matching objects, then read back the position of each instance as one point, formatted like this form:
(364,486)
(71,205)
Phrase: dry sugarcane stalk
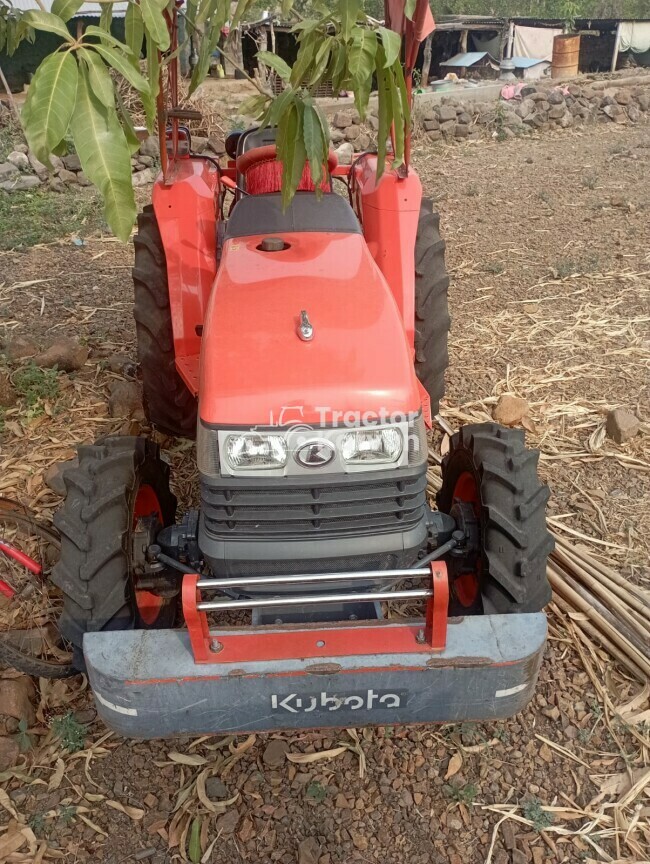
(588,629)
(578,602)
(586,580)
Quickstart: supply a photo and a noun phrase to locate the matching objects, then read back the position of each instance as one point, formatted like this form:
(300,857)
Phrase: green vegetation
(28,218)
(23,736)
(532,810)
(36,385)
(317,791)
(461,794)
(71,733)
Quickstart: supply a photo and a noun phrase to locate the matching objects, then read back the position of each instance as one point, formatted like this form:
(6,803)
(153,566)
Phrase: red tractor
(306,349)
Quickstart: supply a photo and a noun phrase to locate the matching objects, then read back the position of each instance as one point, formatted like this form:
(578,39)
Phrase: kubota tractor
(306,349)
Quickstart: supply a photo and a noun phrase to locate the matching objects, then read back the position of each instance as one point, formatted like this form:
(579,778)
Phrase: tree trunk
(426,60)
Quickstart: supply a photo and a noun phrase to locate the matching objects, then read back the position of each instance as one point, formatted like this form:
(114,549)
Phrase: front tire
(118,480)
(168,404)
(432,321)
(490,478)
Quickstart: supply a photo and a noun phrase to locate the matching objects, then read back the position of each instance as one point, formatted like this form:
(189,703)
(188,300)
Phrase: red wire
(20,557)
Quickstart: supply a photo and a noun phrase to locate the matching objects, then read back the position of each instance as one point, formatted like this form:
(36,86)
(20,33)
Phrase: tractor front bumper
(147,684)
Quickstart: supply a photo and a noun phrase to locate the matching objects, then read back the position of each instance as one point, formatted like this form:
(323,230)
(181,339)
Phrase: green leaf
(48,22)
(153,74)
(305,58)
(194,848)
(392,43)
(409,8)
(312,133)
(127,125)
(321,61)
(291,151)
(66,9)
(398,116)
(107,37)
(106,17)
(349,10)
(254,106)
(105,158)
(50,103)
(134,30)
(154,21)
(100,79)
(362,52)
(276,63)
(122,65)
(278,107)
(385,109)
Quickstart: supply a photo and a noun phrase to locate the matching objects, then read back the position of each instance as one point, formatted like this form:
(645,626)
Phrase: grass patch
(39,216)
(532,810)
(461,794)
(36,385)
(70,732)
(317,792)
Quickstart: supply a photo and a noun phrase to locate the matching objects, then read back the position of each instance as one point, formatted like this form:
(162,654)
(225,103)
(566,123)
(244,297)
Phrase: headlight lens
(374,446)
(254,451)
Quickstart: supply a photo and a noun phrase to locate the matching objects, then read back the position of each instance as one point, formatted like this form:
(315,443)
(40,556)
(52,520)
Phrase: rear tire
(115,478)
(489,468)
(432,321)
(168,404)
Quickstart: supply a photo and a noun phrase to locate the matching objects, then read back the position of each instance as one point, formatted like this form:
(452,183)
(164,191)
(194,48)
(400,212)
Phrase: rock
(71,162)
(362,143)
(19,159)
(575,91)
(565,121)
(536,96)
(120,364)
(461,131)
(144,177)
(8,395)
(214,143)
(528,90)
(615,113)
(447,113)
(525,107)
(15,696)
(7,171)
(352,132)
(555,97)
(125,400)
(556,112)
(53,476)
(9,753)
(21,183)
(20,347)
(374,122)
(42,171)
(431,125)
(434,135)
(227,823)
(510,410)
(344,153)
(543,106)
(151,147)
(336,135)
(536,120)
(621,425)
(464,118)
(66,176)
(514,121)
(56,185)
(633,113)
(623,97)
(21,148)
(274,754)
(199,144)
(82,180)
(309,851)
(448,127)
(342,119)
(66,354)
(216,789)
(643,100)
(147,161)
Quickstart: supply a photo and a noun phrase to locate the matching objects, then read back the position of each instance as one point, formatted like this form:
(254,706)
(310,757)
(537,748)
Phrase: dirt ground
(548,244)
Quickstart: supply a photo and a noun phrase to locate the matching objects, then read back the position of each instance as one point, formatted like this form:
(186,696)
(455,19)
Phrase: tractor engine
(311,442)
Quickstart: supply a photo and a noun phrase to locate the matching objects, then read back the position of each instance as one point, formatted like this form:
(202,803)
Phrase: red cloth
(421,25)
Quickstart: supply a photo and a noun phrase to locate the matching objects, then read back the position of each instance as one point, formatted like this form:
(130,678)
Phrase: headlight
(372,446)
(255,451)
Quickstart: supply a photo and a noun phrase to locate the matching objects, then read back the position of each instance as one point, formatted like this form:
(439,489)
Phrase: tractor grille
(282,510)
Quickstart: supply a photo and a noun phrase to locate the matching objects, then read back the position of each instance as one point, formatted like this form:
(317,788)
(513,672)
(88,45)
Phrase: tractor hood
(255,367)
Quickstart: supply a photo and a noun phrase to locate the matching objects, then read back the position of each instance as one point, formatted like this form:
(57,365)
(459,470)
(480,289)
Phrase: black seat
(262,214)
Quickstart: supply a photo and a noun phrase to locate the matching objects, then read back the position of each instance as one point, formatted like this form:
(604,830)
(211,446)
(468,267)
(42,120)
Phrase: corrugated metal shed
(86,10)
(527,62)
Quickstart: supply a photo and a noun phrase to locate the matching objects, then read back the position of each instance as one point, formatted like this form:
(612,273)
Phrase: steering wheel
(269,153)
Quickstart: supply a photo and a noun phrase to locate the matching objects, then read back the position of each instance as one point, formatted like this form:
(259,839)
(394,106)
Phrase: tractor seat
(263,214)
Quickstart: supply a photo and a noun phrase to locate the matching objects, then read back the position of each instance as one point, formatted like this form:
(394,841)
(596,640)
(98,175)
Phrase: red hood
(255,370)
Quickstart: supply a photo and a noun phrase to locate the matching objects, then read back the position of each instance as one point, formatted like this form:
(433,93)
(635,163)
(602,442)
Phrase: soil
(548,241)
